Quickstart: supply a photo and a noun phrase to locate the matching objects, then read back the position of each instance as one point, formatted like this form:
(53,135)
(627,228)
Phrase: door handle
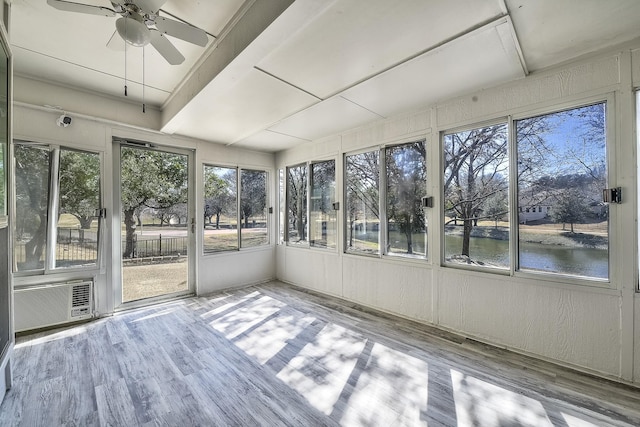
(193,225)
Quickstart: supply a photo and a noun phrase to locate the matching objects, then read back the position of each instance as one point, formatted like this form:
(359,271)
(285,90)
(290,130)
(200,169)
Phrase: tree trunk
(466,235)
(409,241)
(130,231)
(34,247)
(85,222)
(218,221)
(351,233)
(407,232)
(300,226)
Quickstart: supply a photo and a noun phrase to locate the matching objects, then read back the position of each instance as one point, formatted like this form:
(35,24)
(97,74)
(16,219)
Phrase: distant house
(533,213)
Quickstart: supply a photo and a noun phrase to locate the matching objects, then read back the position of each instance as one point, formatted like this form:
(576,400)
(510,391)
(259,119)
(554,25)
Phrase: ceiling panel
(72,75)
(553,31)
(255,101)
(356,39)
(211,16)
(325,118)
(267,140)
(481,59)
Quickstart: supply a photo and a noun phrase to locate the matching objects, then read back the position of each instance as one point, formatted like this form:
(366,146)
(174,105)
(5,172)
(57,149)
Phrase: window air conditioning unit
(42,306)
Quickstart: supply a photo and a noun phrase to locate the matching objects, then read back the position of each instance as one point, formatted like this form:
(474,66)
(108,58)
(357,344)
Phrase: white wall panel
(314,269)
(318,150)
(635,67)
(388,130)
(576,327)
(75,101)
(234,269)
(394,287)
(583,78)
(636,364)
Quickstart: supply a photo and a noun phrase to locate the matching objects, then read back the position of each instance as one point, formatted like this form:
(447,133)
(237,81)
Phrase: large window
(563,223)
(232,222)
(406,177)
(63,181)
(220,209)
(282,206)
(253,208)
(476,199)
(323,217)
(362,175)
(562,170)
(297,204)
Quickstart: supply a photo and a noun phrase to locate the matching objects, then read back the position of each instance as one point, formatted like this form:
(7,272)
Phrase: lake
(579,261)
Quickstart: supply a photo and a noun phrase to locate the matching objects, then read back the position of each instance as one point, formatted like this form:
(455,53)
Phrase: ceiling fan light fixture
(133,31)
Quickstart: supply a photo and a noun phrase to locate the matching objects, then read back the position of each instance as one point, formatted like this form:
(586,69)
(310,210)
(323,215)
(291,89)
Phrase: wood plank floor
(274,355)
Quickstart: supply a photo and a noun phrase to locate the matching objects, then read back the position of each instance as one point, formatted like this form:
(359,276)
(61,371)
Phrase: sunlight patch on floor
(321,369)
(495,406)
(268,339)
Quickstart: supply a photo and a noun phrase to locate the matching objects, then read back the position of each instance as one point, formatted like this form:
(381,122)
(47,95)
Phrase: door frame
(116,235)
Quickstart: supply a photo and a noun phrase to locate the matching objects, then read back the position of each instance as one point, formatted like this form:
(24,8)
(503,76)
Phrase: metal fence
(74,248)
(162,246)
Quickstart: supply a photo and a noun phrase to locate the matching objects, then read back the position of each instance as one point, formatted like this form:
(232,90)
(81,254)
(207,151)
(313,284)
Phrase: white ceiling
(320,66)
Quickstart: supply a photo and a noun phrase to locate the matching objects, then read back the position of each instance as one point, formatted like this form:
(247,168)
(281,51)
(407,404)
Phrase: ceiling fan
(140,24)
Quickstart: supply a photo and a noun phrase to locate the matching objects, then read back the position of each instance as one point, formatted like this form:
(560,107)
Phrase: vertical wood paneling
(635,64)
(314,269)
(226,270)
(578,328)
(396,288)
(636,365)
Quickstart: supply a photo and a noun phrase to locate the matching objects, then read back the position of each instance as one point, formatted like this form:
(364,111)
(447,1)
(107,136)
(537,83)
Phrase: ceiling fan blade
(150,6)
(182,31)
(116,42)
(68,6)
(166,48)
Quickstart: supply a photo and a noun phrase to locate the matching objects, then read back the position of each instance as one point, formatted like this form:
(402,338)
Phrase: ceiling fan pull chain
(125,61)
(143,106)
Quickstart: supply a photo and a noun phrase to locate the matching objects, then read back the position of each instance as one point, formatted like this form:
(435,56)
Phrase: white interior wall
(249,266)
(213,272)
(636,320)
(577,324)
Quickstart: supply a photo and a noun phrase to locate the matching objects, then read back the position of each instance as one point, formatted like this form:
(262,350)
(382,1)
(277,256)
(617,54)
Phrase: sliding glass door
(156,222)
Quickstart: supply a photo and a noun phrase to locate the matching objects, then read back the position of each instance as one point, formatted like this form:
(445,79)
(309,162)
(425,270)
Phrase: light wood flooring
(274,355)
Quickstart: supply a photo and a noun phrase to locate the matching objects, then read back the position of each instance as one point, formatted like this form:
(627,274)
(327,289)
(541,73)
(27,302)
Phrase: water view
(571,260)
(579,261)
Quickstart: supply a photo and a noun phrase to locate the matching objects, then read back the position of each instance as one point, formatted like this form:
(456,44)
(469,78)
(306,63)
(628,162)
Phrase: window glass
(220,209)
(253,208)
(323,218)
(79,199)
(297,204)
(562,170)
(282,205)
(69,238)
(476,199)
(406,174)
(362,202)
(32,199)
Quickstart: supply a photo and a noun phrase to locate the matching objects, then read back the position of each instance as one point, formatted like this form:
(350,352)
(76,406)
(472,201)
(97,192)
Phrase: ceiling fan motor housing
(133,30)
